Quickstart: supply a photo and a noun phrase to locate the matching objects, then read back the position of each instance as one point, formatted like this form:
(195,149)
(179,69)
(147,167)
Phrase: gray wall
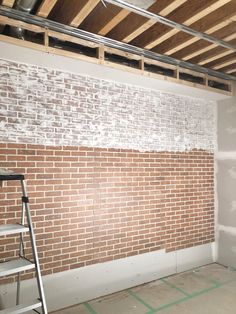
(226,182)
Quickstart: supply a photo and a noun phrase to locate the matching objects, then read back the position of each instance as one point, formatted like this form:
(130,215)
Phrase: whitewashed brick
(43,106)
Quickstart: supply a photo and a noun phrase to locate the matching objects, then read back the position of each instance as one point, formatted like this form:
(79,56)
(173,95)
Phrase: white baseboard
(195,256)
(78,285)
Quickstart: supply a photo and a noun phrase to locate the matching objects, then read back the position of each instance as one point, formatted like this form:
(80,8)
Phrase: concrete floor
(207,290)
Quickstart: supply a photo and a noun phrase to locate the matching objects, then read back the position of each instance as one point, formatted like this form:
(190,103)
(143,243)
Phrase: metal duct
(24,6)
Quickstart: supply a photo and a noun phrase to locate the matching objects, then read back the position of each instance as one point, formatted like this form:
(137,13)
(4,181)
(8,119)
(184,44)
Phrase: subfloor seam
(211,280)
(190,296)
(89,308)
(187,297)
(175,287)
(133,294)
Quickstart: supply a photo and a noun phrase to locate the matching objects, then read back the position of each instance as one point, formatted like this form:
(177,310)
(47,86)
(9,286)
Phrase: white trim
(82,284)
(195,257)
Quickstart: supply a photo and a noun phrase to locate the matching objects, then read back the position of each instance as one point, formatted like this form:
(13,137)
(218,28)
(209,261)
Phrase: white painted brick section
(44,106)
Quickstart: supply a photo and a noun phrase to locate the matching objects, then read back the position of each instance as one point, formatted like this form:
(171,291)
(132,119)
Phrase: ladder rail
(16,266)
(21,253)
(34,249)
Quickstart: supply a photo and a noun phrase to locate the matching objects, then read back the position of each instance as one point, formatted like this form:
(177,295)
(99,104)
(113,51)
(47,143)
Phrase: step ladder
(16,266)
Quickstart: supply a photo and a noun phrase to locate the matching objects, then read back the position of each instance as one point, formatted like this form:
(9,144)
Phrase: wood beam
(44,47)
(33,28)
(8,3)
(72,39)
(170,8)
(210,55)
(126,30)
(113,22)
(87,8)
(72,12)
(218,56)
(224,64)
(187,43)
(202,46)
(217,53)
(232,71)
(99,17)
(203,43)
(196,18)
(169,44)
(231,66)
(221,60)
(45,8)
(208,25)
(22,43)
(185,14)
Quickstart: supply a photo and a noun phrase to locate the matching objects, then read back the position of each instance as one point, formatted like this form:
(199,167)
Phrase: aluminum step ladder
(16,266)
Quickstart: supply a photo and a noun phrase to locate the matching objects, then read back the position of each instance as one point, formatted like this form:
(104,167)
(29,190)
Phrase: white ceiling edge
(29,56)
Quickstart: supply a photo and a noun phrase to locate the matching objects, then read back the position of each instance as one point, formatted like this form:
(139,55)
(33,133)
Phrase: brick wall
(92,205)
(44,106)
(113,170)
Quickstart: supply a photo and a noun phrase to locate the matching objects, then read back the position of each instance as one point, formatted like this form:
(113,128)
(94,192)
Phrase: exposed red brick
(105,204)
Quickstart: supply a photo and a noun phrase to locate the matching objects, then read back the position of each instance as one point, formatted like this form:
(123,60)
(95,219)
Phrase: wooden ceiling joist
(145,29)
(190,48)
(211,55)
(102,20)
(99,17)
(174,51)
(221,60)
(216,53)
(46,7)
(232,71)
(227,67)
(164,12)
(84,12)
(223,64)
(203,13)
(113,22)
(174,43)
(210,24)
(202,46)
(216,57)
(72,12)
(126,31)
(8,3)
(185,14)
(33,28)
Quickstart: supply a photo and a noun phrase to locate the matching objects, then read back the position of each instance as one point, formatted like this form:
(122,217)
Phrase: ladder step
(15,266)
(12,229)
(11,176)
(22,308)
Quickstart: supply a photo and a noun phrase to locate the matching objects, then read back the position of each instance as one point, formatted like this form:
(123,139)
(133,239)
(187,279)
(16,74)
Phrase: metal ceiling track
(165,21)
(78,33)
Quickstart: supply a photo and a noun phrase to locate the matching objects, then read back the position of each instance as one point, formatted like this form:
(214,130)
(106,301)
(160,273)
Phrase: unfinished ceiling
(213,17)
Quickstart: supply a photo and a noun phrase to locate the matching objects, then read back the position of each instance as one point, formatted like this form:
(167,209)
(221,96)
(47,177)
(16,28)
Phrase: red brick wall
(92,205)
